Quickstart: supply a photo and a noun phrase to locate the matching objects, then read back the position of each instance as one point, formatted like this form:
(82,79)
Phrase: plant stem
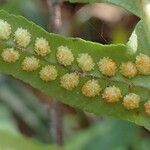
(54,10)
(56,111)
(56,122)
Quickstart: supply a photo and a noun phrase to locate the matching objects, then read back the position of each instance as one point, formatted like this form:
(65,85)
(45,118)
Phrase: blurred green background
(24,112)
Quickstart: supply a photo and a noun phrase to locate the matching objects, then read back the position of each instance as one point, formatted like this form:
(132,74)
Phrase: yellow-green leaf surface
(119,53)
(130,5)
(11,141)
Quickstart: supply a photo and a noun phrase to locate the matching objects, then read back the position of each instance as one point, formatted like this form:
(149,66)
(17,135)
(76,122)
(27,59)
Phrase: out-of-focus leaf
(12,6)
(31,9)
(143,144)
(10,141)
(7,122)
(25,105)
(133,6)
(139,40)
(106,135)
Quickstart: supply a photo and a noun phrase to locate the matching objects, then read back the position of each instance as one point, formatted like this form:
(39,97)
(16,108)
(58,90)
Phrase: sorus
(107,66)
(147,108)
(48,73)
(30,63)
(69,81)
(5,30)
(85,62)
(42,46)
(22,37)
(143,64)
(64,55)
(91,88)
(128,69)
(112,94)
(131,101)
(10,55)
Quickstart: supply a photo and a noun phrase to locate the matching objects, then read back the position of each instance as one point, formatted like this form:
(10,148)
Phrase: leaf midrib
(86,74)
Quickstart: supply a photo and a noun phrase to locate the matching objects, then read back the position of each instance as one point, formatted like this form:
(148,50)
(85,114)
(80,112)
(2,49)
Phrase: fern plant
(103,79)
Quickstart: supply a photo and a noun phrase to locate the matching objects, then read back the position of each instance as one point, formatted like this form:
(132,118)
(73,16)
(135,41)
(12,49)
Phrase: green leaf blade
(119,53)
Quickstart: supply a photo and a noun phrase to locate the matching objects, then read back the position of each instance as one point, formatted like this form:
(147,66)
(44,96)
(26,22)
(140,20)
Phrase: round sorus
(10,55)
(112,94)
(147,108)
(42,46)
(64,56)
(143,64)
(69,81)
(5,30)
(107,66)
(48,73)
(85,62)
(131,101)
(22,37)
(30,63)
(91,88)
(128,69)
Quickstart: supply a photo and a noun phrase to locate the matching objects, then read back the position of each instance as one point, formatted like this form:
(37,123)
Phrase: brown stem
(56,112)
(54,10)
(56,122)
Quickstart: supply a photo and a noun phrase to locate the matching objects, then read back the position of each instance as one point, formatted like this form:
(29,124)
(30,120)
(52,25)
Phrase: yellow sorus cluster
(91,88)
(112,94)
(64,55)
(131,101)
(48,73)
(10,55)
(5,30)
(147,108)
(42,46)
(22,37)
(85,62)
(128,69)
(143,64)
(69,81)
(30,63)
(107,66)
